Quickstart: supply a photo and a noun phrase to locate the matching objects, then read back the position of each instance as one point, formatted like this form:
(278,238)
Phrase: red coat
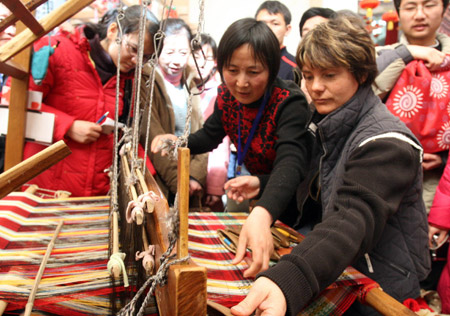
(72,90)
(440,217)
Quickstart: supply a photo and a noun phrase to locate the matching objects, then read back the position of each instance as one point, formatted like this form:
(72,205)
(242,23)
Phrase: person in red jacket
(439,226)
(5,36)
(79,88)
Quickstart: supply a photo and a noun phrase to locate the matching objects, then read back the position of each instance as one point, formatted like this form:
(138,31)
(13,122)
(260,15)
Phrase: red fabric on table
(226,284)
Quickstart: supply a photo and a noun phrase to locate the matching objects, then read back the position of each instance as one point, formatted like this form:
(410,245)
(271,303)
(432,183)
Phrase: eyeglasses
(199,55)
(132,49)
(201,59)
(427,7)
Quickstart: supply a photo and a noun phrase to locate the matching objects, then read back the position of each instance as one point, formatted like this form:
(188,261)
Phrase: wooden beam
(49,22)
(17,110)
(12,19)
(13,69)
(386,304)
(23,14)
(185,291)
(26,170)
(184,158)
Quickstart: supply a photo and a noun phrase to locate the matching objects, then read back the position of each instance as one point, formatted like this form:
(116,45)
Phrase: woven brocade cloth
(226,283)
(75,280)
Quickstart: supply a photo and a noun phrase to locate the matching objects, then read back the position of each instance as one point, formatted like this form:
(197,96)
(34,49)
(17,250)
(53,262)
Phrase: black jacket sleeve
(291,156)
(377,176)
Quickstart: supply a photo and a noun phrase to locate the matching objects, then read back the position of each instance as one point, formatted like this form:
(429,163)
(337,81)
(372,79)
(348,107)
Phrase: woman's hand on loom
(84,132)
(242,188)
(158,142)
(265,297)
(256,235)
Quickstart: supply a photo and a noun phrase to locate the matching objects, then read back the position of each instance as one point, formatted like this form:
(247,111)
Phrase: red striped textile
(75,280)
(226,284)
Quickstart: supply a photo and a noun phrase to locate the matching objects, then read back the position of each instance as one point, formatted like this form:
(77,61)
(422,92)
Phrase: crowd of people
(306,138)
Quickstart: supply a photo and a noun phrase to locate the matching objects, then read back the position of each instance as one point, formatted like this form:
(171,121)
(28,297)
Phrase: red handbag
(420,99)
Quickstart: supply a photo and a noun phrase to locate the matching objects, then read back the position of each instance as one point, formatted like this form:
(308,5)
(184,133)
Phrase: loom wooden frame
(185,291)
(28,31)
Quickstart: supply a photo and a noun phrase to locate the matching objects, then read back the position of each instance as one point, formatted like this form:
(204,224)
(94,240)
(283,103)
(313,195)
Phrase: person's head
(205,54)
(248,59)
(334,72)
(10,31)
(312,17)
(176,48)
(108,31)
(420,19)
(277,16)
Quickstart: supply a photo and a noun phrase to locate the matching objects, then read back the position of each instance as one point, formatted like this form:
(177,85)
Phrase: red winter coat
(440,217)
(72,90)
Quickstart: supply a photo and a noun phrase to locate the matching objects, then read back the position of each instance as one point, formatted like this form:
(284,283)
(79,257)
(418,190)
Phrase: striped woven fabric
(226,284)
(75,280)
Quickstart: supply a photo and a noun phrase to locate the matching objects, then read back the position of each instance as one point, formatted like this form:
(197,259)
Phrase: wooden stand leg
(183,201)
(185,291)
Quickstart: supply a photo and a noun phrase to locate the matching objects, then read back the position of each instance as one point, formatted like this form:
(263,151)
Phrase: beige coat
(163,122)
(387,78)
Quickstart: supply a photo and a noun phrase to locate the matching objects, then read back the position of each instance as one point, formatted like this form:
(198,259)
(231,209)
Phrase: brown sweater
(163,122)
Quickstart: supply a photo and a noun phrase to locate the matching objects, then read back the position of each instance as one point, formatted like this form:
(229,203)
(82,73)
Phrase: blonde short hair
(340,42)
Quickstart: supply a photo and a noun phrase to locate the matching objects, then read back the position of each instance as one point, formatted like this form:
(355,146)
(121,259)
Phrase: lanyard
(241,153)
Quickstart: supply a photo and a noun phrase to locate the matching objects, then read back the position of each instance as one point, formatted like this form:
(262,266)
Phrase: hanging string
(138,77)
(158,42)
(196,44)
(160,278)
(115,172)
(201,17)
(168,145)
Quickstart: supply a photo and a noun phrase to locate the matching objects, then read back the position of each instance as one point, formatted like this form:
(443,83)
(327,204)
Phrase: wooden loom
(185,292)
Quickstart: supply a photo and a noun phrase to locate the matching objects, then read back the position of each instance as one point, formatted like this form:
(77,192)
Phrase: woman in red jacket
(439,226)
(79,88)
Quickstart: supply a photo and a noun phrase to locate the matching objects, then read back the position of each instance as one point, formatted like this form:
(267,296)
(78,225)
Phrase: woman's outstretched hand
(265,297)
(242,188)
(158,142)
(255,235)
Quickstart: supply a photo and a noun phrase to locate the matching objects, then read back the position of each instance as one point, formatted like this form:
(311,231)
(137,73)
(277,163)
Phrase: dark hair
(398,2)
(173,26)
(265,45)
(129,23)
(348,45)
(274,7)
(206,40)
(326,13)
